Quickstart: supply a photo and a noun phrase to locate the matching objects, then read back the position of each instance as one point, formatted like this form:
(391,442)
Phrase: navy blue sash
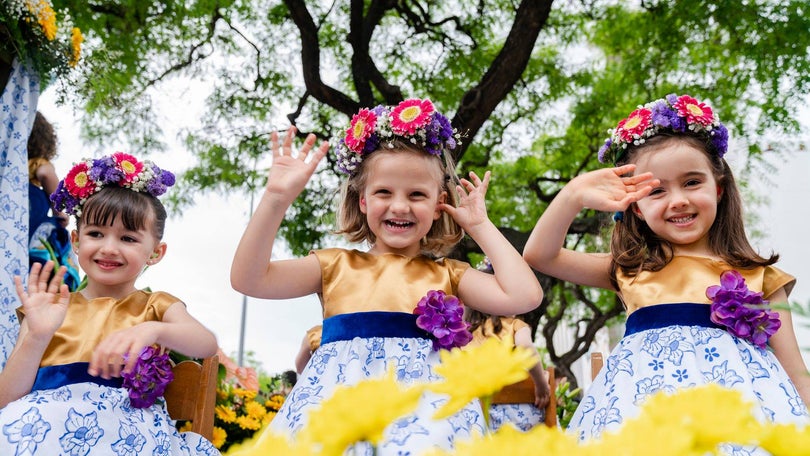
(50,377)
(370,324)
(663,315)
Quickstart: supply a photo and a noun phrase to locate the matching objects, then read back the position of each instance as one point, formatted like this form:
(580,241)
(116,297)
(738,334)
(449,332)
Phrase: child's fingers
(56,282)
(288,140)
(274,150)
(20,289)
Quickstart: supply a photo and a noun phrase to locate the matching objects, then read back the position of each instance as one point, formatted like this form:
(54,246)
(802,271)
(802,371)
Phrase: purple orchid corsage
(743,312)
(441,316)
(148,379)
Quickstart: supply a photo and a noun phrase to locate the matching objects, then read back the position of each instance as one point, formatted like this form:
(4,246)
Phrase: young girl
(522,416)
(61,388)
(682,265)
(42,181)
(400,199)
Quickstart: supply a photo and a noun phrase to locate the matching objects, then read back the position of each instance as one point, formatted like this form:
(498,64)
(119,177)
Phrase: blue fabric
(18,106)
(370,324)
(38,207)
(52,377)
(663,315)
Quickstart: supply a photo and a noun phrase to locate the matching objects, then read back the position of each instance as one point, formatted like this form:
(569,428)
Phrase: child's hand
(108,356)
(45,304)
(288,174)
(606,189)
(541,394)
(472,208)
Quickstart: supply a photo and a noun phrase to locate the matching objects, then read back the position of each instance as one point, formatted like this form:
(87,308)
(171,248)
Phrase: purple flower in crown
(149,377)
(105,172)
(743,312)
(720,140)
(441,316)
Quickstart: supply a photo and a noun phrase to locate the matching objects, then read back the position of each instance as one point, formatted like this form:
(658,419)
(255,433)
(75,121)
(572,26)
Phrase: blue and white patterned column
(18,107)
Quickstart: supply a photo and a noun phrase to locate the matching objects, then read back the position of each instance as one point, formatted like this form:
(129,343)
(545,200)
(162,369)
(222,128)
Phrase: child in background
(681,263)
(42,181)
(310,343)
(522,416)
(61,388)
(400,197)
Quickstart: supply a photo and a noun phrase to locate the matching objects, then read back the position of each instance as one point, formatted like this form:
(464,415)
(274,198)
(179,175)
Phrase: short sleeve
(456,270)
(774,279)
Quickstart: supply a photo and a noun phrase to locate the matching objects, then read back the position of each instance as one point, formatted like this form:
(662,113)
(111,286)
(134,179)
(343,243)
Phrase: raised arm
(45,305)
(542,392)
(252,272)
(603,190)
(514,288)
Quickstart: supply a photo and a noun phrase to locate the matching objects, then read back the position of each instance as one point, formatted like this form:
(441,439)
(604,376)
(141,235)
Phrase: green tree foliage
(535,84)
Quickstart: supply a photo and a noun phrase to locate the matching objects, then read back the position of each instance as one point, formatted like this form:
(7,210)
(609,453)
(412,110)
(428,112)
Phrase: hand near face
(472,208)
(45,302)
(290,172)
(606,189)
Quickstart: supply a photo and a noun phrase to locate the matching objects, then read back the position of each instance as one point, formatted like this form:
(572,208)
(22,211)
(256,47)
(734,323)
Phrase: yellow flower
(186,427)
(76,40)
(786,439)
(479,372)
(359,412)
(46,17)
(267,442)
(245,393)
(225,413)
(219,437)
(275,402)
(508,440)
(255,410)
(249,423)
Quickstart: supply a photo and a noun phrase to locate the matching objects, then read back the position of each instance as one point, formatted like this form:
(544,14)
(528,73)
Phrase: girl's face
(683,208)
(401,199)
(113,257)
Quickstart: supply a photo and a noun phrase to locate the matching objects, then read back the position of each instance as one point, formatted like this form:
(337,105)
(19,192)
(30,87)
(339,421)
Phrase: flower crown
(119,169)
(673,113)
(413,120)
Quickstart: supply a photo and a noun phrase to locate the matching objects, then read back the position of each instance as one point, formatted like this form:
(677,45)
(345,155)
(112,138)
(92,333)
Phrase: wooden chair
(597,361)
(523,393)
(192,394)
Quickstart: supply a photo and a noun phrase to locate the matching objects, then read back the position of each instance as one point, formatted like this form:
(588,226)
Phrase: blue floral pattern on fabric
(521,416)
(87,419)
(18,105)
(672,357)
(351,361)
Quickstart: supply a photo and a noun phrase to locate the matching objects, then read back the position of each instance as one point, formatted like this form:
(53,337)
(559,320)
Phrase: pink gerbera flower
(694,111)
(634,125)
(361,127)
(410,115)
(128,164)
(78,181)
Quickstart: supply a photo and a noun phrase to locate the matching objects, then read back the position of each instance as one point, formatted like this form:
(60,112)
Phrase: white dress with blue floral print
(90,419)
(666,357)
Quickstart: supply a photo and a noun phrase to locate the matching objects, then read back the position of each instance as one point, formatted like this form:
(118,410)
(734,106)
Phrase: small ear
(442,200)
(637,211)
(157,254)
(363,207)
(719,193)
(74,240)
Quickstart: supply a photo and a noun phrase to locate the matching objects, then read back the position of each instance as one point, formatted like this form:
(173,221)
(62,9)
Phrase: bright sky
(201,242)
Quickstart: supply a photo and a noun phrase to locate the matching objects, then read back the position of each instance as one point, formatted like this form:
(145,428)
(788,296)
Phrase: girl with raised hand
(86,373)
(400,197)
(703,306)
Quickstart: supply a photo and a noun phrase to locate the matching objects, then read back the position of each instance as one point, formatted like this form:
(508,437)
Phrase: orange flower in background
(246,377)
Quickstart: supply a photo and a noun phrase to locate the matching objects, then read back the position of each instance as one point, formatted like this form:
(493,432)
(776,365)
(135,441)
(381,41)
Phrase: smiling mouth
(107,264)
(682,219)
(399,224)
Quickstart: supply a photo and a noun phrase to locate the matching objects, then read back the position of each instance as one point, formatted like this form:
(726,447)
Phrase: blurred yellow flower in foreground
(509,440)
(358,413)
(479,372)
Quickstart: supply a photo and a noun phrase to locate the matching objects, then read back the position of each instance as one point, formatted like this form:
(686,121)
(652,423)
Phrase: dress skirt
(671,346)
(90,419)
(360,346)
(521,416)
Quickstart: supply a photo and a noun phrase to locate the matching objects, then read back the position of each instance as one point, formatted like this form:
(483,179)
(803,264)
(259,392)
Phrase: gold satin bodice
(686,278)
(88,322)
(509,326)
(354,281)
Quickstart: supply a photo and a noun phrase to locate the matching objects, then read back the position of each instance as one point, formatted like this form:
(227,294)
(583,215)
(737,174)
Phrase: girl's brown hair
(136,210)
(444,233)
(478,319)
(42,140)
(635,247)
